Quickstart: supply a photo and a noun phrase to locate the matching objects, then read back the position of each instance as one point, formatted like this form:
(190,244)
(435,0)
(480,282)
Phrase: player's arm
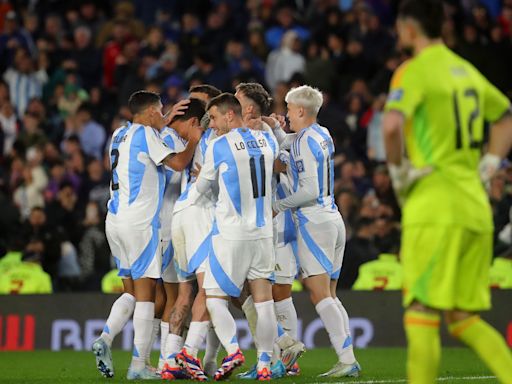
(306,163)
(179,161)
(404,97)
(208,172)
(498,111)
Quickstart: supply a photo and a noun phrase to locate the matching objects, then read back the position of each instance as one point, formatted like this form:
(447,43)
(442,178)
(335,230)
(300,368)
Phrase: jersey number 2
(114,154)
(254,178)
(470,93)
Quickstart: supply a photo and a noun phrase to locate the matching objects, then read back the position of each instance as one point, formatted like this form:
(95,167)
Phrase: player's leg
(225,275)
(337,263)
(121,310)
(316,249)
(160,299)
(473,295)
(145,258)
(120,313)
(429,257)
(199,326)
(143,315)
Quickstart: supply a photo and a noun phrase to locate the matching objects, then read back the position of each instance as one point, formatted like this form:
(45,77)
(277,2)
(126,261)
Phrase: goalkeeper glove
(404,176)
(488,167)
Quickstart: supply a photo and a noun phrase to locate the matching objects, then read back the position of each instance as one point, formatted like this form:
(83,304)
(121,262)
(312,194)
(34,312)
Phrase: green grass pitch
(380,365)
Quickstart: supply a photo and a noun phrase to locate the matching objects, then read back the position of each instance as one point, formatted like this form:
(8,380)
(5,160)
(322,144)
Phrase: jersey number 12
(469,93)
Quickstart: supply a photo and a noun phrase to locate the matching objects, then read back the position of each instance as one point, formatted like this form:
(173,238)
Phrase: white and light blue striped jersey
(242,162)
(138,178)
(172,181)
(312,156)
(190,196)
(283,221)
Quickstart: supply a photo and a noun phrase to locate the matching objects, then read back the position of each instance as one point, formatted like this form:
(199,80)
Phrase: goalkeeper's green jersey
(445,102)
(25,278)
(500,274)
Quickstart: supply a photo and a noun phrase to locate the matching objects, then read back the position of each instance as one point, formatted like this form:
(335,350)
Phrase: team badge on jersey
(396,94)
(300,166)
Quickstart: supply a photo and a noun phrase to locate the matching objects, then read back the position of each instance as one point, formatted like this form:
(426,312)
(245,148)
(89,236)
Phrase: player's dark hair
(428,13)
(196,108)
(207,89)
(139,101)
(225,102)
(257,94)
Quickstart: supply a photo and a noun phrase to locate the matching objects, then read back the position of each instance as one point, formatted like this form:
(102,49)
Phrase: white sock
(173,345)
(142,327)
(224,324)
(333,323)
(196,335)
(344,314)
(266,332)
(212,346)
(252,317)
(121,312)
(164,332)
(276,355)
(287,316)
(154,334)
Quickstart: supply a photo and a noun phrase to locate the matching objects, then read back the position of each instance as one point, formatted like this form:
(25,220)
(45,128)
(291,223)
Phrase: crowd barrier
(73,321)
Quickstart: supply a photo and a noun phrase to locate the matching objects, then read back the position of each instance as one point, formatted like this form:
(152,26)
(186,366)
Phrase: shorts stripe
(147,256)
(221,277)
(336,274)
(123,272)
(168,255)
(315,249)
(201,254)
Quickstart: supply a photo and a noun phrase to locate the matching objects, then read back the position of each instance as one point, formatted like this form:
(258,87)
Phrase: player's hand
(177,109)
(272,122)
(488,166)
(404,176)
(196,171)
(195,134)
(255,123)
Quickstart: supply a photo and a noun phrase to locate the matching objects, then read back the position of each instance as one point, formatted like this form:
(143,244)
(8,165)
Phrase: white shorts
(320,248)
(286,263)
(169,274)
(231,262)
(138,253)
(191,240)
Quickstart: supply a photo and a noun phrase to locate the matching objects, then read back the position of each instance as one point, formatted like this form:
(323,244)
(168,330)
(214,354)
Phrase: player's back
(189,195)
(445,101)
(137,182)
(312,156)
(172,181)
(244,159)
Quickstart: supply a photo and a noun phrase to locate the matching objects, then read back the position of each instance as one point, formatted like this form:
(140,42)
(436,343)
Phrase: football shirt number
(114,154)
(469,93)
(254,178)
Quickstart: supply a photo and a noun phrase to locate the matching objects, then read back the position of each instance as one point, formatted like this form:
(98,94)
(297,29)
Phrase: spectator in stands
(91,134)
(24,81)
(285,23)
(285,61)
(11,40)
(27,277)
(86,56)
(359,250)
(9,126)
(94,253)
(50,239)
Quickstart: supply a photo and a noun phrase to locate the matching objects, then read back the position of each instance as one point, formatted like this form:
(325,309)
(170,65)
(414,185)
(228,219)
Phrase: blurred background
(68,67)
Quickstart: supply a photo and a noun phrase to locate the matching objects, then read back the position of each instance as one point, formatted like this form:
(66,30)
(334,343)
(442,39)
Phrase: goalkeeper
(439,103)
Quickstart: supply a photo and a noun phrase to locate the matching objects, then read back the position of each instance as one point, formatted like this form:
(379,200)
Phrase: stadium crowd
(68,68)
